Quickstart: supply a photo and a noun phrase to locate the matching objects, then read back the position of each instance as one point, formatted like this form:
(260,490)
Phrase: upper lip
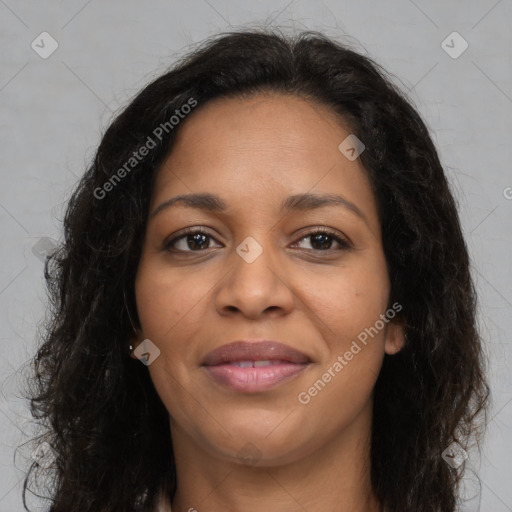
(264,350)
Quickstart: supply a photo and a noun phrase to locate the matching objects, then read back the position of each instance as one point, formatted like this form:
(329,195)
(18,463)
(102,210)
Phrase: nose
(255,286)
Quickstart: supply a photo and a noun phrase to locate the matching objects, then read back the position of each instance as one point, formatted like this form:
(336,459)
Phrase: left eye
(321,240)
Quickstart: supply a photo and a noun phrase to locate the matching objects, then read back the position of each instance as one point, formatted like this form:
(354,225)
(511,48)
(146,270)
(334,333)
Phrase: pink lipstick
(254,366)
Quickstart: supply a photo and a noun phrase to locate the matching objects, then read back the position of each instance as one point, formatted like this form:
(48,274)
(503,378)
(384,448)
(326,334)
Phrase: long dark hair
(99,411)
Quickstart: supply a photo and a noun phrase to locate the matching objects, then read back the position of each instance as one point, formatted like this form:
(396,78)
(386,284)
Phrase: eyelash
(344,243)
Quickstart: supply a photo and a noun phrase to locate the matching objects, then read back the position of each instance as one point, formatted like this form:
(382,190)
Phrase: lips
(254,351)
(254,366)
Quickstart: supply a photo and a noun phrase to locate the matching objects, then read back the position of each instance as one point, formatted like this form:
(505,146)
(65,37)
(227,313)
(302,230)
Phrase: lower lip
(254,380)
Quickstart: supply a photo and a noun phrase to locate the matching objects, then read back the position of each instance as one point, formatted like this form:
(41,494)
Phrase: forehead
(266,123)
(268,145)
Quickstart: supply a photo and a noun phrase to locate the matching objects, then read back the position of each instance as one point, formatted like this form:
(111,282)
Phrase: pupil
(197,238)
(323,239)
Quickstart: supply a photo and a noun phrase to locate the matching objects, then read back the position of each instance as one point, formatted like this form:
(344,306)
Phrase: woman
(263,300)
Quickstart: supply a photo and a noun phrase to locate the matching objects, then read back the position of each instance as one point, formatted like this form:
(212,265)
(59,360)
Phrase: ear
(395,338)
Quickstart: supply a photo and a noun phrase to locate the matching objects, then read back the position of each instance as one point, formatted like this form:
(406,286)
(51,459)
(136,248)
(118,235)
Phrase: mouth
(254,366)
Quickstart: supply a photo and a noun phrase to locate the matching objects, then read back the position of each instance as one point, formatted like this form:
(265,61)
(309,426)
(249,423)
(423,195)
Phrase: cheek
(171,309)
(168,302)
(349,308)
(348,300)
(350,311)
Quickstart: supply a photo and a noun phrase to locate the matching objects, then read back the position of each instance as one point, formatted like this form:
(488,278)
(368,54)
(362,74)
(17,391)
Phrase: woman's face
(259,272)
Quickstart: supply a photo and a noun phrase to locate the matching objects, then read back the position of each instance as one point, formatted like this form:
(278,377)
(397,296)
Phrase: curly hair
(98,409)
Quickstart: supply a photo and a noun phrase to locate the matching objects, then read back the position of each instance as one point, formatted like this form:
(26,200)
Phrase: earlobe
(130,351)
(134,343)
(395,338)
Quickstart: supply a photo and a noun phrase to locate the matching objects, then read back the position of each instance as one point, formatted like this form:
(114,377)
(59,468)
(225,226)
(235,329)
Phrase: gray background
(55,109)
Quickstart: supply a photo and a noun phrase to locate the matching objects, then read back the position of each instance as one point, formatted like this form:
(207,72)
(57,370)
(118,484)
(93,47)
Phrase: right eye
(191,240)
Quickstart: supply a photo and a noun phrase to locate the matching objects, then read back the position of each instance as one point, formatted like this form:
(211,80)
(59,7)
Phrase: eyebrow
(297,202)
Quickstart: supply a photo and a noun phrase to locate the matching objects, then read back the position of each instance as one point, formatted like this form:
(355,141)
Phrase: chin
(261,440)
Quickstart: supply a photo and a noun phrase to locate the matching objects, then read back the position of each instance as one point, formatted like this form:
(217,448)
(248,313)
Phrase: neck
(335,477)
